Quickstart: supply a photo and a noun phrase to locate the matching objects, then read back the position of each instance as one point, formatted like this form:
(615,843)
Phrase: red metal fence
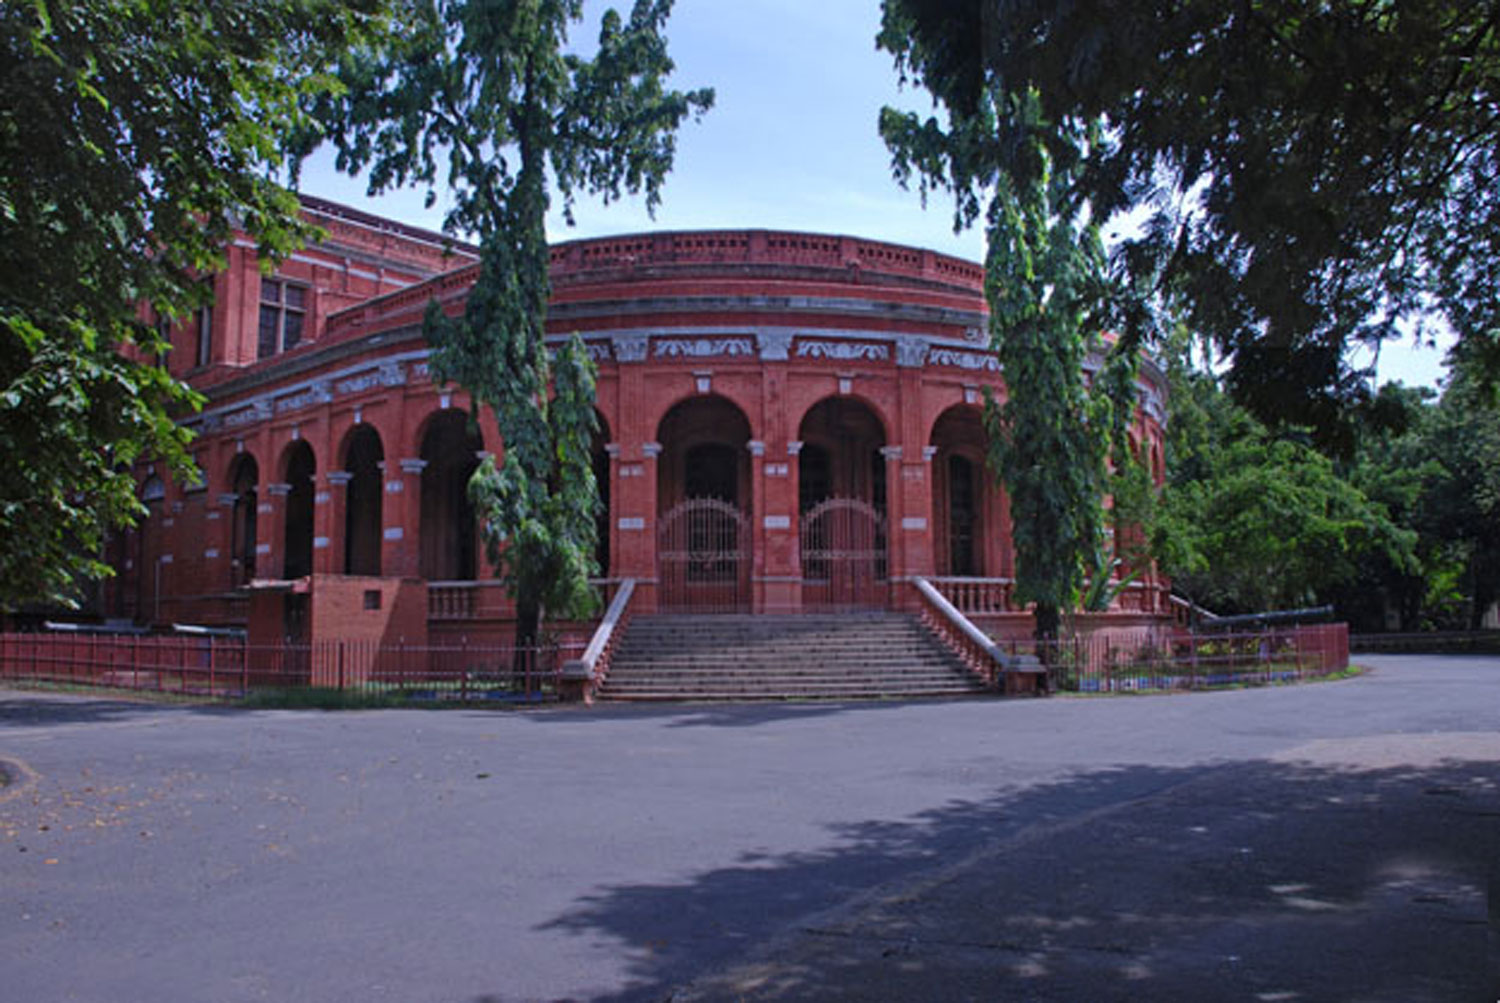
(228,668)
(1117,662)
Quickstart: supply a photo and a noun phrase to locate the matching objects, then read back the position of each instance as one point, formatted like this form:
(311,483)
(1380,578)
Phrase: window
(205,335)
(282,310)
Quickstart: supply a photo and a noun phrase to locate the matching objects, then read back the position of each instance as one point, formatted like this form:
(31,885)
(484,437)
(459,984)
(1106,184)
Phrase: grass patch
(325,698)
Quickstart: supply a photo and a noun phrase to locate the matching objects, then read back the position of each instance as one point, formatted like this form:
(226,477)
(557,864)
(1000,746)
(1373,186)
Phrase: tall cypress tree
(490,87)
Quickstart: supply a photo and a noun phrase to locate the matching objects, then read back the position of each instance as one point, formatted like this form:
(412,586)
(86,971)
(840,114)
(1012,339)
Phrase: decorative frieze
(392,533)
(914,523)
(256,411)
(319,393)
(631,523)
(702,348)
(778,522)
(972,361)
(844,351)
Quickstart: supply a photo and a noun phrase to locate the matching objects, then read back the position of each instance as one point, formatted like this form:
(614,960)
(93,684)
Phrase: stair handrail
(982,655)
(591,668)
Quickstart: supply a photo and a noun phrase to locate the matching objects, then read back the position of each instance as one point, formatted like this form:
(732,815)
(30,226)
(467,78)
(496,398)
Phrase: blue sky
(790,144)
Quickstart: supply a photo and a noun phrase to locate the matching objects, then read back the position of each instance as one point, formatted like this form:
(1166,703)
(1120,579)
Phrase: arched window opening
(450,451)
(364,498)
(841,473)
(297,548)
(959,498)
(704,499)
(244,479)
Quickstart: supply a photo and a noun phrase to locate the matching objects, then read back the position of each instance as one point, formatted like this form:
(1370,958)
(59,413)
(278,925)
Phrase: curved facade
(787,421)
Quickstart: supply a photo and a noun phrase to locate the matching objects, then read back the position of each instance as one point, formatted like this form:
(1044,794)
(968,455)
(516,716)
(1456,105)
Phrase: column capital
(651,450)
(413,466)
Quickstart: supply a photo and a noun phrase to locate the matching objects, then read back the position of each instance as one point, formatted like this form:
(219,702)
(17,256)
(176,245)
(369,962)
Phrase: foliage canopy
(135,137)
(1307,174)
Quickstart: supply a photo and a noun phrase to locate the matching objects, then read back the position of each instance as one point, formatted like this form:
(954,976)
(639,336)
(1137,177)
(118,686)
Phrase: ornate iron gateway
(844,556)
(703,557)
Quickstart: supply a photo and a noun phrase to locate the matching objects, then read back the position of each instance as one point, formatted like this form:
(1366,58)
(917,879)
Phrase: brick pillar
(332,511)
(270,530)
(612,538)
(401,515)
(218,545)
(780,559)
(635,521)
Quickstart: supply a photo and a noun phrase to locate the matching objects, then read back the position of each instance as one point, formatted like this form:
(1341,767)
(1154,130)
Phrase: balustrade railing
(976,595)
(590,669)
(980,654)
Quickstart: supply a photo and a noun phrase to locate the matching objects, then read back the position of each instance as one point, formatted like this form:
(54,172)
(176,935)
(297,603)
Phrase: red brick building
(787,421)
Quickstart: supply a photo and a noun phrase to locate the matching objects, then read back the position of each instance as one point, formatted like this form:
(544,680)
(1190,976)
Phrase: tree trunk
(1048,621)
(528,633)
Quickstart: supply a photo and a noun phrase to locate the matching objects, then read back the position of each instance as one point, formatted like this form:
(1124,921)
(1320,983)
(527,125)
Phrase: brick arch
(865,400)
(745,400)
(704,439)
(965,500)
(842,436)
(361,455)
(448,444)
(244,485)
(299,466)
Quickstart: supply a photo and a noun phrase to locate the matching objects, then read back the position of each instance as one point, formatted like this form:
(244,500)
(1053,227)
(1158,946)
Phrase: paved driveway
(1326,841)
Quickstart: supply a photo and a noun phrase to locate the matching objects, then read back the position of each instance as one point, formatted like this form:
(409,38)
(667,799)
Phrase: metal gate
(844,557)
(703,557)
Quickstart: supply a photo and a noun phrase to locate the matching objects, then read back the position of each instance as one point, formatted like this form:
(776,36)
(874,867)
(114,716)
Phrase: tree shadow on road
(21,709)
(1255,880)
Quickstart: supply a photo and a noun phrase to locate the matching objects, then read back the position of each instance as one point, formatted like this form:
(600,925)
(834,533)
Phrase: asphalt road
(1323,842)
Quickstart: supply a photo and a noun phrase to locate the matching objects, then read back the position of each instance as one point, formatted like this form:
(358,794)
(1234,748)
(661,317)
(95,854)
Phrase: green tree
(1308,174)
(135,137)
(1049,303)
(1251,520)
(1459,511)
(490,88)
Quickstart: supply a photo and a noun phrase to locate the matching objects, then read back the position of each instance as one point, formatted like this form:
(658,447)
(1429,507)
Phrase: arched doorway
(450,452)
(959,498)
(364,499)
(244,478)
(298,469)
(841,471)
(704,505)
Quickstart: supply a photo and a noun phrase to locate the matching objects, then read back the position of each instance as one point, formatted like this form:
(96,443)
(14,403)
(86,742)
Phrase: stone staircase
(762,657)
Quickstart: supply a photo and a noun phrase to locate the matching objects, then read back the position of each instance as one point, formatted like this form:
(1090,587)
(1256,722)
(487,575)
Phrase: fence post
(340,644)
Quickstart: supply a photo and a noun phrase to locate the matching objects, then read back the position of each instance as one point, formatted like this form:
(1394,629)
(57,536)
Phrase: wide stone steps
(744,657)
